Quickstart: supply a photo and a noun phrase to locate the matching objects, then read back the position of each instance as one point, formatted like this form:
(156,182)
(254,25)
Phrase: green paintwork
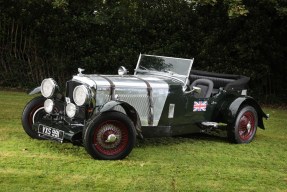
(222,108)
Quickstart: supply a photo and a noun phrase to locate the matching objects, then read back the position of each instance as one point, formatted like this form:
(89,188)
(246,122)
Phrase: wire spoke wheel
(109,136)
(245,126)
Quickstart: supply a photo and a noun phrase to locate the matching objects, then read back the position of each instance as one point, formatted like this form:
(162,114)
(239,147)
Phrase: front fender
(35,90)
(238,103)
(130,112)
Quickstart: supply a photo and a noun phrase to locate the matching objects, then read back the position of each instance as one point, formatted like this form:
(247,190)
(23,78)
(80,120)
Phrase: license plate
(51,132)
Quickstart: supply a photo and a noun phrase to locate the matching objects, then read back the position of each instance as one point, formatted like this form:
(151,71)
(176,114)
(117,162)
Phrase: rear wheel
(32,112)
(109,136)
(245,126)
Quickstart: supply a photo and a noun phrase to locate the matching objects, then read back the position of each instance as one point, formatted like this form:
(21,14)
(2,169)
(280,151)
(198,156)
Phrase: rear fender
(238,103)
(130,112)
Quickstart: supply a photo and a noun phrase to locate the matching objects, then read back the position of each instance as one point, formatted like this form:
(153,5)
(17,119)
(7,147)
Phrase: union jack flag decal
(199,105)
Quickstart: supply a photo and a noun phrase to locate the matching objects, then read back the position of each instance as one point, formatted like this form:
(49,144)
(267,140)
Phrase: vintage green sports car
(164,97)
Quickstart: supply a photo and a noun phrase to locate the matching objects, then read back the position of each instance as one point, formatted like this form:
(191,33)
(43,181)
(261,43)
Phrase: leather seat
(206,86)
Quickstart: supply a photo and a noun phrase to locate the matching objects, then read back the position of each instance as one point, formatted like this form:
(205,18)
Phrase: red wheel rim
(33,114)
(246,125)
(107,130)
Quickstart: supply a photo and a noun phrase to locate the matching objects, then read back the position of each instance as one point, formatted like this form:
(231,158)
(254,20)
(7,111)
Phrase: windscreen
(176,66)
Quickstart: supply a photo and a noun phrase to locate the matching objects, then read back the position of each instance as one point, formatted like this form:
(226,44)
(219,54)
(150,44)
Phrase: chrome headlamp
(71,110)
(81,95)
(49,105)
(48,87)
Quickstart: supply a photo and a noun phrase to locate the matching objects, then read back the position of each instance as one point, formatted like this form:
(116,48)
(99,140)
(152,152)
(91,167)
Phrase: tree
(229,36)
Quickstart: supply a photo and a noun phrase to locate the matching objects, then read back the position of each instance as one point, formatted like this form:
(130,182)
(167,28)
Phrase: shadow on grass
(190,138)
(68,149)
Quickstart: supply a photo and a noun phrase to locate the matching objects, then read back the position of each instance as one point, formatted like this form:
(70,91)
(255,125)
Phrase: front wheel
(32,112)
(109,136)
(245,126)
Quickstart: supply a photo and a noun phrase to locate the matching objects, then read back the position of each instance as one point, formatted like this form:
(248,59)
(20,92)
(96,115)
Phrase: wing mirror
(194,90)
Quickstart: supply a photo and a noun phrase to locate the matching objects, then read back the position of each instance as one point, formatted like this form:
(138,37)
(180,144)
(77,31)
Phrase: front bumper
(71,132)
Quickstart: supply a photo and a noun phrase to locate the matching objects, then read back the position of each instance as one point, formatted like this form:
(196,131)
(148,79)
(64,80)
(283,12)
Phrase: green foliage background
(52,38)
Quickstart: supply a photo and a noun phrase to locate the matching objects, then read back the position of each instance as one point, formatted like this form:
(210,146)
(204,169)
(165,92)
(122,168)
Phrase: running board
(215,125)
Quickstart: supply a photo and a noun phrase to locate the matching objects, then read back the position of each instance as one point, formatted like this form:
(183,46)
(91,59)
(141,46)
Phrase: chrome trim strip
(171,110)
(166,57)
(151,102)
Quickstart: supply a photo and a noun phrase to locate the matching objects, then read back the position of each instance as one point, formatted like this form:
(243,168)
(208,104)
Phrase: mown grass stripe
(193,163)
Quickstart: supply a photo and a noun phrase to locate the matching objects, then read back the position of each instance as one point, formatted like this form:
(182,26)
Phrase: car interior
(210,83)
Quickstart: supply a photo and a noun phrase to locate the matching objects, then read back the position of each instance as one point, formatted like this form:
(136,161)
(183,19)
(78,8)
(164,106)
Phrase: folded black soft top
(226,81)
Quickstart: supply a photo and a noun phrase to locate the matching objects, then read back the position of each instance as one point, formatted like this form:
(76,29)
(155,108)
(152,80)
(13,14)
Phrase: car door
(190,114)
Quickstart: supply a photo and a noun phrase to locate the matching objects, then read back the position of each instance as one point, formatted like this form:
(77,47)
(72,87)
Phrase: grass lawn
(195,163)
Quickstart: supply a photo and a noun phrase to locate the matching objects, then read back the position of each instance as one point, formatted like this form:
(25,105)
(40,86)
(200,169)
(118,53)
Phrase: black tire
(244,128)
(109,124)
(33,111)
